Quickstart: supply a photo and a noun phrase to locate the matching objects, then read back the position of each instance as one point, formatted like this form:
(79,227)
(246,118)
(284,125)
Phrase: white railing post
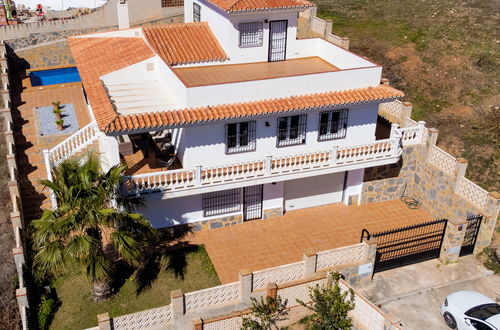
(48,168)
(394,128)
(421,130)
(269,164)
(197,175)
(334,155)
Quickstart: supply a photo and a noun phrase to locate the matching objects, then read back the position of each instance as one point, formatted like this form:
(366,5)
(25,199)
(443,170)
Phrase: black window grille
(251,34)
(332,125)
(196,12)
(221,202)
(291,130)
(172,3)
(240,137)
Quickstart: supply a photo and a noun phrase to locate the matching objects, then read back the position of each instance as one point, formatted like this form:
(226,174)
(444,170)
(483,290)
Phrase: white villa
(229,117)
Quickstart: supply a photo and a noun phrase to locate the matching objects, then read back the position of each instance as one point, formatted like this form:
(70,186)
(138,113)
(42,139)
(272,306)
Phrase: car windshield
(483,312)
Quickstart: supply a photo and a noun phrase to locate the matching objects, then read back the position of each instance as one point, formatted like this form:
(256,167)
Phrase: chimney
(122,10)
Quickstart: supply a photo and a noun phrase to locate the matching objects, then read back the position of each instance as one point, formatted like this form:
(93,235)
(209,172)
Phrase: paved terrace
(29,142)
(257,245)
(233,73)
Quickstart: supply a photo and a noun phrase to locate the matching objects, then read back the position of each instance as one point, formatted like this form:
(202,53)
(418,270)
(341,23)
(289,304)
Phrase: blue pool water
(54,76)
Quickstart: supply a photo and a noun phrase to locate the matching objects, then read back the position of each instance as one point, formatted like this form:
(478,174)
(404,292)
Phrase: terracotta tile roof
(184,43)
(95,57)
(248,5)
(237,110)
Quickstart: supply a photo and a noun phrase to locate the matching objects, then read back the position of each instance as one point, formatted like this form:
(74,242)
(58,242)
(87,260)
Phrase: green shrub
(46,311)
(265,314)
(330,306)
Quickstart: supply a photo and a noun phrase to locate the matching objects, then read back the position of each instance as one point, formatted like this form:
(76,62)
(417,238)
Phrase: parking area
(415,293)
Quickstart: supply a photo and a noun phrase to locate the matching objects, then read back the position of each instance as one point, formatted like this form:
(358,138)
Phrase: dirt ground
(9,312)
(445,55)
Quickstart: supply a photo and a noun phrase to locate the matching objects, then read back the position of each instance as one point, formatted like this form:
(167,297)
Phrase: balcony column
(269,164)
(197,175)
(421,131)
(334,155)
(394,128)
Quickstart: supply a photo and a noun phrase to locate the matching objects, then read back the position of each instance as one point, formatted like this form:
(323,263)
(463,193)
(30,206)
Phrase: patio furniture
(165,156)
(161,136)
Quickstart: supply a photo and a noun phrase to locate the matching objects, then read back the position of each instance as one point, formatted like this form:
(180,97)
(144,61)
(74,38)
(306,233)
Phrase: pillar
(433,136)
(104,321)
(488,225)
(406,113)
(246,279)
(461,166)
(452,240)
(272,290)
(309,258)
(365,271)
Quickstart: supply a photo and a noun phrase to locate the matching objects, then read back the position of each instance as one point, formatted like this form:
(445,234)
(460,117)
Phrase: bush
(330,306)
(46,311)
(265,314)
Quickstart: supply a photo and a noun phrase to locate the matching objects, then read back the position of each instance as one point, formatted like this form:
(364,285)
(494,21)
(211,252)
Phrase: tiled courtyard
(263,244)
(29,141)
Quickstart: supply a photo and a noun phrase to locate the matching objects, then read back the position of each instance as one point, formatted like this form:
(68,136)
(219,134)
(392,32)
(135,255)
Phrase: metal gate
(408,245)
(252,202)
(277,40)
(473,224)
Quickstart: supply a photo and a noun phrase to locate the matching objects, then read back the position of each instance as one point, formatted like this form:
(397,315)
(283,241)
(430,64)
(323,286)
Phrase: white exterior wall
(354,184)
(313,191)
(205,145)
(183,210)
(225,28)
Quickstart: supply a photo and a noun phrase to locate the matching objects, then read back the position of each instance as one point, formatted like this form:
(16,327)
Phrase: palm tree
(86,229)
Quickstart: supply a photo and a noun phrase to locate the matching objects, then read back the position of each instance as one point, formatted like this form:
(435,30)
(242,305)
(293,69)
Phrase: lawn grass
(79,311)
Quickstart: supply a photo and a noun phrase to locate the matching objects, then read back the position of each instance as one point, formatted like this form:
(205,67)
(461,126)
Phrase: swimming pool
(54,76)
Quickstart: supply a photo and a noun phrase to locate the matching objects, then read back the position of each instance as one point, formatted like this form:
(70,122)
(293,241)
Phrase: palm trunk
(102,290)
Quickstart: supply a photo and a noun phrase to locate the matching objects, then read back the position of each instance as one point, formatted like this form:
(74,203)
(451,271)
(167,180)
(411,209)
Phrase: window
(480,325)
(240,137)
(196,12)
(332,125)
(291,130)
(220,202)
(250,34)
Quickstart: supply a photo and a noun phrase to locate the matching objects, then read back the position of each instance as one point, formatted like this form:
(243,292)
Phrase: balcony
(176,183)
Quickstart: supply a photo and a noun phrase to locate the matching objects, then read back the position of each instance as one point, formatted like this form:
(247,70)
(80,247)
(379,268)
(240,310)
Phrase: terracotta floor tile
(263,244)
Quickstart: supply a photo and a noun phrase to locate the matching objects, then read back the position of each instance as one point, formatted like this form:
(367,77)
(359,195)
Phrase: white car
(470,310)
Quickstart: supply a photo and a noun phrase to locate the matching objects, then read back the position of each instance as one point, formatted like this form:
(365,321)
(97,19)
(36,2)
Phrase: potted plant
(57,110)
(60,124)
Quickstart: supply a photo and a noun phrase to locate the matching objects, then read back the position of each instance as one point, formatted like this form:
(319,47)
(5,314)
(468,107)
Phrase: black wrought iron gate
(473,224)
(252,202)
(408,245)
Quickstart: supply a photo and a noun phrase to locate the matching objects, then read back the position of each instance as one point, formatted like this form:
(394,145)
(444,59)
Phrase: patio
(261,244)
(28,134)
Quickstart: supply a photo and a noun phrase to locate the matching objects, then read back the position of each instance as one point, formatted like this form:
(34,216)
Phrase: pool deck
(29,142)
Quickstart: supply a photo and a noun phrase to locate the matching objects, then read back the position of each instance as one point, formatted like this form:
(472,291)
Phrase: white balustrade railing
(412,135)
(74,143)
(185,179)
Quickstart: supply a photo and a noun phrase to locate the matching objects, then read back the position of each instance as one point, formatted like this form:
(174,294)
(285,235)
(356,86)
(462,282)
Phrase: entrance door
(252,202)
(277,40)
(473,224)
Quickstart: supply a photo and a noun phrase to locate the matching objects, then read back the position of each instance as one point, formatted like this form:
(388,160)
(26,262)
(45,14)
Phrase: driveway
(415,293)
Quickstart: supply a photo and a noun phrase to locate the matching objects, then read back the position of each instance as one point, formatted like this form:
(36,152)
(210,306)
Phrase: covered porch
(262,244)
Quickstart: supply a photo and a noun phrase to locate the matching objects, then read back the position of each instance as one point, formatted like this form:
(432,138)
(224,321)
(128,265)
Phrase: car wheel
(450,320)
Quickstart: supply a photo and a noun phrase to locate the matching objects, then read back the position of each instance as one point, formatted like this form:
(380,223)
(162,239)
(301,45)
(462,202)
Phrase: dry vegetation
(445,55)
(9,312)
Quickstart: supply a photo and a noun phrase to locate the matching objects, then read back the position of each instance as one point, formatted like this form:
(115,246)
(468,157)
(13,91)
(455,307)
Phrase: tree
(265,314)
(85,229)
(330,306)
